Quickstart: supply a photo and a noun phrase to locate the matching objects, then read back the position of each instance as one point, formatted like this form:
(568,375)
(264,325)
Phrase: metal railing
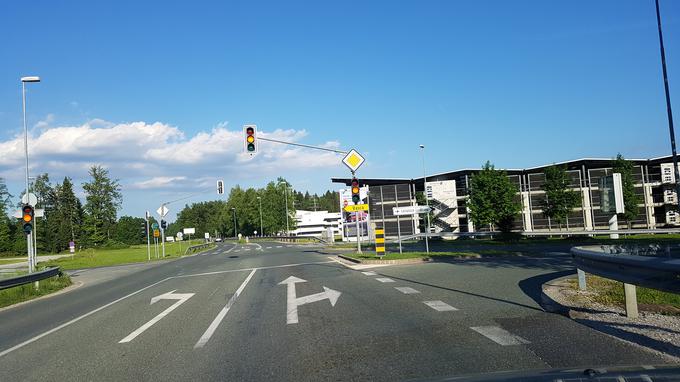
(290,238)
(195,248)
(654,272)
(29,278)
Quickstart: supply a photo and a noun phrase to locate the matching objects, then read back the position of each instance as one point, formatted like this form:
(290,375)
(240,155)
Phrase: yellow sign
(356,207)
(156,233)
(353,160)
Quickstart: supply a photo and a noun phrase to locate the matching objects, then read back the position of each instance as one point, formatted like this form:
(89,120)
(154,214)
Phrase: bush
(113,244)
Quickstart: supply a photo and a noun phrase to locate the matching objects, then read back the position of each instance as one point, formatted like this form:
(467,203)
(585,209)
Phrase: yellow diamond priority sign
(353,160)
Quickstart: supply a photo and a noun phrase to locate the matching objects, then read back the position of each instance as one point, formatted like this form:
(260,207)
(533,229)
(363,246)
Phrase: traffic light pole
(356,221)
(148,240)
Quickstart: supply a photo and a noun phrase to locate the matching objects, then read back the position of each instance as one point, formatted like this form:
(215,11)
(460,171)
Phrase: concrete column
(631,300)
(587,208)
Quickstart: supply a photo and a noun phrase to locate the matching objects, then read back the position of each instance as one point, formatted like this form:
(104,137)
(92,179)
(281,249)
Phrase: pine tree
(103,199)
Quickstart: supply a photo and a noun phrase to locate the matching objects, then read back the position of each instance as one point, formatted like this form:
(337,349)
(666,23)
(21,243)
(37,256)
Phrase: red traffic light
(250,131)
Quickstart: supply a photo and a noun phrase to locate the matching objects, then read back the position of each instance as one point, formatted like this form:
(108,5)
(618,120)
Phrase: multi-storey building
(654,183)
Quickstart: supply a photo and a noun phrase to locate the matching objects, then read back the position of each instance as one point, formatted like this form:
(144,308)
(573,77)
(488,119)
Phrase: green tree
(103,200)
(492,199)
(130,230)
(630,198)
(6,239)
(68,217)
(560,200)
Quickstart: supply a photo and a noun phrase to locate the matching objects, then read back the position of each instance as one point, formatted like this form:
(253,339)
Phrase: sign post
(162,212)
(148,238)
(353,160)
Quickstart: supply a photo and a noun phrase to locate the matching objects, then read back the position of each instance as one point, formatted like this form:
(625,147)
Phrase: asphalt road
(225,315)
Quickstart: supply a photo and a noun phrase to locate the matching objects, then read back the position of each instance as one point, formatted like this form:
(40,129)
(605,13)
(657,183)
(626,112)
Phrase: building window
(667,175)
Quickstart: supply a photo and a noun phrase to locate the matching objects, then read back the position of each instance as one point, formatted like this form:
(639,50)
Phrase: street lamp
(234,210)
(259,199)
(427,203)
(285,194)
(29,239)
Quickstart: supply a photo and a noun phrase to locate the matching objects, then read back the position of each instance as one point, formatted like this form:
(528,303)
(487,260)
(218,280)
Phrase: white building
(315,223)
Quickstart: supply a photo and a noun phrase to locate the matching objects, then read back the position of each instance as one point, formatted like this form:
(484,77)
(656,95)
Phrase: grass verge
(90,258)
(28,292)
(610,292)
(11,261)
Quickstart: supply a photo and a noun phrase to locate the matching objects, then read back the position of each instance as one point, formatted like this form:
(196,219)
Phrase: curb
(417,260)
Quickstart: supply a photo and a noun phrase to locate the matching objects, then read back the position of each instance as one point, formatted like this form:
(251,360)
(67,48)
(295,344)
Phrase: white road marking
(267,247)
(74,320)
(385,280)
(440,306)
(369,273)
(67,323)
(279,246)
(237,251)
(406,290)
(247,249)
(181,299)
(220,316)
(499,335)
(293,301)
(258,246)
(358,267)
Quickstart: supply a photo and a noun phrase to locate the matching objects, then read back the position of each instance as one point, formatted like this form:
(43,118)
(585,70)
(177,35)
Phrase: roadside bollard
(631,300)
(581,279)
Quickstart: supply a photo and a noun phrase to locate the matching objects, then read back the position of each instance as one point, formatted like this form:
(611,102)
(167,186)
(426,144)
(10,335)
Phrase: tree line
(65,218)
(246,211)
(96,224)
(493,197)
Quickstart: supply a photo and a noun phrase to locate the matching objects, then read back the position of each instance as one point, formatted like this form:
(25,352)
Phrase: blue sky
(473,80)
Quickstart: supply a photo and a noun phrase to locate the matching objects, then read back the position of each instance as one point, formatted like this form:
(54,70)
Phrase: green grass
(12,261)
(28,292)
(610,292)
(89,258)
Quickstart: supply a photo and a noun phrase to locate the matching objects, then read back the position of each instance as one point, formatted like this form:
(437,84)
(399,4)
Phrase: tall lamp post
(669,111)
(234,210)
(427,202)
(285,195)
(29,237)
(259,199)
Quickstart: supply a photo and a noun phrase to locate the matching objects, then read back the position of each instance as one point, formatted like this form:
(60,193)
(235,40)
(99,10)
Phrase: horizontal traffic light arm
(303,145)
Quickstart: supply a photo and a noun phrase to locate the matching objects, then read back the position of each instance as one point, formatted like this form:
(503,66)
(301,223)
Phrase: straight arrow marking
(181,299)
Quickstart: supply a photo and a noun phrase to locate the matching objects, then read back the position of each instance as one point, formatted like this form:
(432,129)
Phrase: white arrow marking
(294,301)
(180,297)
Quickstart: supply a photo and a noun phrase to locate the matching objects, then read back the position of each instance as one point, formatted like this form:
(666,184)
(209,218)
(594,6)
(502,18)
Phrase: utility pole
(29,237)
(259,199)
(427,203)
(148,240)
(669,111)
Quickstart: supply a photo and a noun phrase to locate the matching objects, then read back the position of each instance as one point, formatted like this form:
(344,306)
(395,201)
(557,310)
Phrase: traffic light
(356,198)
(164,225)
(220,187)
(250,142)
(27,214)
(143,231)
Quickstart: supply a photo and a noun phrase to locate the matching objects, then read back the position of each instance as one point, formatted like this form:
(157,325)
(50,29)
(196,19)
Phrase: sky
(158,92)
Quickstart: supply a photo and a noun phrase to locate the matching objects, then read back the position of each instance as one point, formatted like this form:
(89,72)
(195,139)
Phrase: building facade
(316,223)
(654,184)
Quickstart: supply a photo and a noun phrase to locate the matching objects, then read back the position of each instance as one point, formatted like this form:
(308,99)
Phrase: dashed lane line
(385,280)
(499,335)
(369,273)
(439,306)
(406,290)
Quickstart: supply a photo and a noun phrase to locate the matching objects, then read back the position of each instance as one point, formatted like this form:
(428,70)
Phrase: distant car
(219,239)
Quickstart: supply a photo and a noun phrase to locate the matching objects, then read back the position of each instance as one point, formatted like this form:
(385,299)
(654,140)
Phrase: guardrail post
(581,279)
(631,300)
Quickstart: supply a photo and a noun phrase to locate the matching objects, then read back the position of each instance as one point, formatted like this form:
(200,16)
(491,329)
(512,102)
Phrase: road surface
(286,312)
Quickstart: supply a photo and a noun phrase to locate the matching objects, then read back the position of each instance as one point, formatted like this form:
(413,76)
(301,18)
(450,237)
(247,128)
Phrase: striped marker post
(380,242)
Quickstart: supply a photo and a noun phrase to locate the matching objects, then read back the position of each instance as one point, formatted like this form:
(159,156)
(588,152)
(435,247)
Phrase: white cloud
(156,155)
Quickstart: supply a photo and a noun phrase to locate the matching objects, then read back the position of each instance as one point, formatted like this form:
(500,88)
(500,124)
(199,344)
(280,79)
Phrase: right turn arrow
(293,301)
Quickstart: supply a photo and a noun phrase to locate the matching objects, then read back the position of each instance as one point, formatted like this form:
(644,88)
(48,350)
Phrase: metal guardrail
(196,247)
(29,278)
(646,271)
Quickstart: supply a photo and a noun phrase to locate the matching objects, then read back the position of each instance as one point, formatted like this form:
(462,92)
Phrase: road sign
(410,210)
(156,233)
(356,207)
(189,231)
(180,235)
(31,199)
(71,246)
(154,225)
(353,160)
(162,211)
(206,235)
(380,242)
